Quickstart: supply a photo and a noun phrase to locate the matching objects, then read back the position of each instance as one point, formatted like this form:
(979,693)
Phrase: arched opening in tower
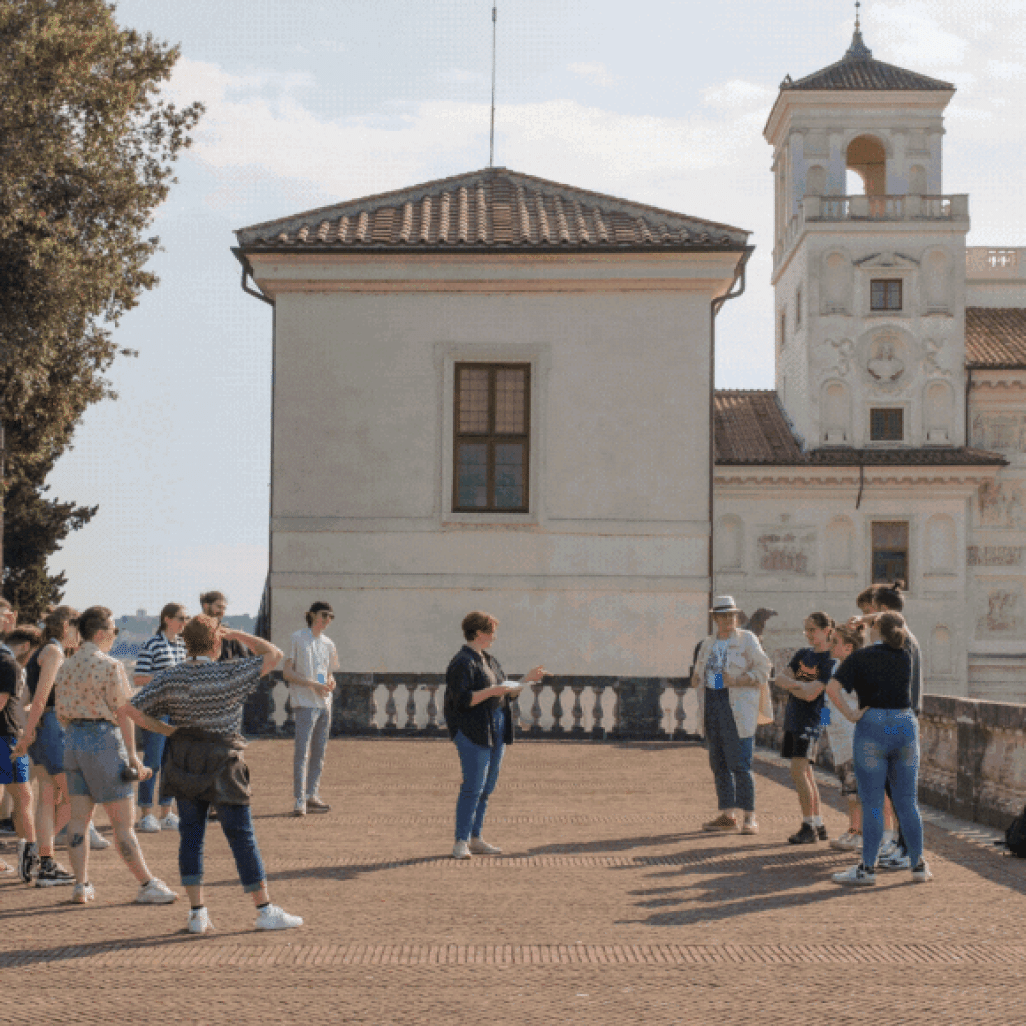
(867,165)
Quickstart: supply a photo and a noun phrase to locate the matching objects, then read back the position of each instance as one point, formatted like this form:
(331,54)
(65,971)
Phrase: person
(810,670)
(886,744)
(92,689)
(477,715)
(213,603)
(14,765)
(164,649)
(43,740)
(22,642)
(308,670)
(202,700)
(732,676)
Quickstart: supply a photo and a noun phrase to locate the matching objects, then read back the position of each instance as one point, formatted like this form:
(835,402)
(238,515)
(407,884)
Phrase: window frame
(491,438)
(889,282)
(798,309)
(900,411)
(889,577)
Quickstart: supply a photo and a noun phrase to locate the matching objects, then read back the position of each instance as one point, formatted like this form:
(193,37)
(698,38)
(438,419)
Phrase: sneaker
(270,917)
(83,893)
(858,875)
(169,822)
(848,841)
(156,892)
(199,921)
(721,824)
(749,826)
(97,842)
(314,804)
(53,874)
(899,860)
(461,850)
(28,859)
(479,846)
(147,825)
(922,874)
(300,808)
(806,835)
(5,869)
(821,832)
(887,849)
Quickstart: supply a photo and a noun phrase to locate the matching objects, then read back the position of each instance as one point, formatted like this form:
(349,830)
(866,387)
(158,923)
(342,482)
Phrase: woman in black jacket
(477,714)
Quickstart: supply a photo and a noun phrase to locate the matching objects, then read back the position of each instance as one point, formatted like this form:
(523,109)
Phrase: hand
(859,715)
(535,676)
(22,747)
(144,771)
(805,673)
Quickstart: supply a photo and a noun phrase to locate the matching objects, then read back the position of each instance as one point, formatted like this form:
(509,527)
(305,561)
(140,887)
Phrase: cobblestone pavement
(609,905)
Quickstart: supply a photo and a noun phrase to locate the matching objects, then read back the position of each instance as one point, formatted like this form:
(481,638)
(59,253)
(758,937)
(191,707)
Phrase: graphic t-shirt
(717,661)
(801,717)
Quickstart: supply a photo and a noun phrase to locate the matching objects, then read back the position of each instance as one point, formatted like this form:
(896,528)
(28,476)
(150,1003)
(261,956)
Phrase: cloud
(738,93)
(595,73)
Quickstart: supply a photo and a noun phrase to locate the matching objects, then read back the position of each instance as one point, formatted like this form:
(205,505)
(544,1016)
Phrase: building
(494,391)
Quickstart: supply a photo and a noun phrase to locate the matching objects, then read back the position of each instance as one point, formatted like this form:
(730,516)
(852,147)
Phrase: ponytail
(889,597)
(893,630)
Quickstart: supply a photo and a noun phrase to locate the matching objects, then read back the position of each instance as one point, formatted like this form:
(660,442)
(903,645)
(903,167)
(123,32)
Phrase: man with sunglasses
(309,670)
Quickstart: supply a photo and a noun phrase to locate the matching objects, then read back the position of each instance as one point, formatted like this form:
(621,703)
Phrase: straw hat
(724,604)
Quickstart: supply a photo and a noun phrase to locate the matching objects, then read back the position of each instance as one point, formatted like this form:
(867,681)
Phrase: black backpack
(1015,836)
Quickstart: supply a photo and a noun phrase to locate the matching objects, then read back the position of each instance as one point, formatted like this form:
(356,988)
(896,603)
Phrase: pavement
(608,906)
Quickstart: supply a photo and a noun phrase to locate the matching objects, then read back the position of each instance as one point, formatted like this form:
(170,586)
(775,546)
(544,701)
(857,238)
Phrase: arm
(807,690)
(837,696)
(271,653)
(49,663)
(128,733)
(141,719)
(140,680)
(290,674)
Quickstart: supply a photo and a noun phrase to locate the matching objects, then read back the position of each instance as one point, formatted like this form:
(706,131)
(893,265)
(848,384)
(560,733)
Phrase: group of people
(70,718)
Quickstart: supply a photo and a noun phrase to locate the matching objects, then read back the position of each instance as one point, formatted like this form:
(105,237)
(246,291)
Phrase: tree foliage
(87,147)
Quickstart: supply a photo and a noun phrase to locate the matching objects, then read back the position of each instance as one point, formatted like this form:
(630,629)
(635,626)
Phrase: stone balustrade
(988,262)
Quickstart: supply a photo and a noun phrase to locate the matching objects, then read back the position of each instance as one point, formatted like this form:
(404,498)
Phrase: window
(885,294)
(797,309)
(492,431)
(890,551)
(887,425)
(783,328)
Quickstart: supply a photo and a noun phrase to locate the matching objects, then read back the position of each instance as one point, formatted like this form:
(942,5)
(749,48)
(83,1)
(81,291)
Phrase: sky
(312,102)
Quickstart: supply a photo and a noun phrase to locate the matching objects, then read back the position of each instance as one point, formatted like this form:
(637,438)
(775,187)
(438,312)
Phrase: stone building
(894,444)
(493,391)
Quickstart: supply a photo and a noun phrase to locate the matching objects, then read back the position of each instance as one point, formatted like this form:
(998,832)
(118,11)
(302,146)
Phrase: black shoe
(28,859)
(51,874)
(821,833)
(807,835)
(7,828)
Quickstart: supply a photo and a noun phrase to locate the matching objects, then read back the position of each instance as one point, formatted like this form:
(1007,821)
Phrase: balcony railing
(984,262)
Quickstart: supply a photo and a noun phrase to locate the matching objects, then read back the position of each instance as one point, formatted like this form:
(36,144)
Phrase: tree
(87,147)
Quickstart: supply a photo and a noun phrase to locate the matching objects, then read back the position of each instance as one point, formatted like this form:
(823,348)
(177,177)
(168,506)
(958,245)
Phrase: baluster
(679,734)
(597,730)
(536,709)
(390,709)
(557,708)
(616,708)
(578,710)
(411,707)
(372,709)
(280,714)
(432,710)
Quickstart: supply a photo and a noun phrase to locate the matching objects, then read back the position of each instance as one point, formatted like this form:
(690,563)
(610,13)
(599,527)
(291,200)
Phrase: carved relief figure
(934,352)
(1002,432)
(995,555)
(1000,505)
(787,552)
(884,365)
(1004,612)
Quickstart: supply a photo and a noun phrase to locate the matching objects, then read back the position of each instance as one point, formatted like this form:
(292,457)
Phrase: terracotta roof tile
(752,430)
(995,337)
(487,210)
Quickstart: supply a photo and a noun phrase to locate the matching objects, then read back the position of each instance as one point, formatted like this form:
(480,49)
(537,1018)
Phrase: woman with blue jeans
(886,745)
(477,713)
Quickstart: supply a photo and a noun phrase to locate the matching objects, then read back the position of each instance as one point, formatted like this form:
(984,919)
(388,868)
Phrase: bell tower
(868,257)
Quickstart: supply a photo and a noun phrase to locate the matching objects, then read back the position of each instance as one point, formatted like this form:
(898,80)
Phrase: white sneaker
(199,921)
(169,822)
(887,849)
(899,860)
(300,807)
(857,875)
(479,846)
(461,850)
(848,841)
(156,892)
(83,893)
(270,917)
(147,825)
(97,842)
(922,874)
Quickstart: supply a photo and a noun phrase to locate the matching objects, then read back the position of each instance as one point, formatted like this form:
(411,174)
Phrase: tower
(869,281)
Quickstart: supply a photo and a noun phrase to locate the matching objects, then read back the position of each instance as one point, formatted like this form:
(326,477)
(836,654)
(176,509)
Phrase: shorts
(846,774)
(799,746)
(48,748)
(94,758)
(12,771)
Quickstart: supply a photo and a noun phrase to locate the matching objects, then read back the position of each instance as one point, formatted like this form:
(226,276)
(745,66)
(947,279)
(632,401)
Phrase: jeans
(730,756)
(887,752)
(480,767)
(237,825)
(312,726)
(152,745)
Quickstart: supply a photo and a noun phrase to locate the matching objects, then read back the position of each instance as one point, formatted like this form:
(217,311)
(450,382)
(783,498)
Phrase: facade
(493,391)
(894,444)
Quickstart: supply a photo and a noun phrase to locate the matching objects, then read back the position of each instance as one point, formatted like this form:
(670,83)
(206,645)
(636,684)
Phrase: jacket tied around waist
(201,766)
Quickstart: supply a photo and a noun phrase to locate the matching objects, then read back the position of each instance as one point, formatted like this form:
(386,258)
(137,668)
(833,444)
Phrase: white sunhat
(724,604)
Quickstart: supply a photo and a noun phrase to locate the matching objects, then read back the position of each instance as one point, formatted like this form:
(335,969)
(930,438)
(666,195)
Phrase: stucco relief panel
(995,555)
(1000,506)
(1001,611)
(889,360)
(786,550)
(1001,432)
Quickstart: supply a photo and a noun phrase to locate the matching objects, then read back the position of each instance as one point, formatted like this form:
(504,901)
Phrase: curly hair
(476,622)
(200,635)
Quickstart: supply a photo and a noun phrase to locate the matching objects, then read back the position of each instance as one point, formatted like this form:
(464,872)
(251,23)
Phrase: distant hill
(133,632)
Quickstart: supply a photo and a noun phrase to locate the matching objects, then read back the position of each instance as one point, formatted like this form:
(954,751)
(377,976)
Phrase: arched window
(868,159)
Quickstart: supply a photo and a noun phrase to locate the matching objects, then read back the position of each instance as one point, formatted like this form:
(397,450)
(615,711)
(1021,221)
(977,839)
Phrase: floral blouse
(91,685)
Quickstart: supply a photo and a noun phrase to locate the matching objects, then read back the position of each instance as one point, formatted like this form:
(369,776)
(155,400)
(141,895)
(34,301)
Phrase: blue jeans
(887,751)
(312,726)
(730,756)
(152,745)
(237,824)
(480,767)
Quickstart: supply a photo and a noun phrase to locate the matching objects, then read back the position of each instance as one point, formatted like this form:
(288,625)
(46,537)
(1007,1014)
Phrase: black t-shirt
(32,674)
(880,676)
(12,716)
(801,716)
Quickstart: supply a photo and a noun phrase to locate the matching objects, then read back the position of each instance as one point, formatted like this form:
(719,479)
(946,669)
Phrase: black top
(801,716)
(881,676)
(12,716)
(468,672)
(32,671)
(231,650)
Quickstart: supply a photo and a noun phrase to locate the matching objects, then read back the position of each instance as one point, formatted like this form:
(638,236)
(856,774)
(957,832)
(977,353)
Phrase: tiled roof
(752,430)
(858,69)
(995,337)
(487,210)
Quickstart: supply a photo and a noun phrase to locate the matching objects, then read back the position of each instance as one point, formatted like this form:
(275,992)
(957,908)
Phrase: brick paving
(609,905)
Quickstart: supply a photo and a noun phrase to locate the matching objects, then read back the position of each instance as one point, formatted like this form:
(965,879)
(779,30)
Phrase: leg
(854,814)
(24,820)
(474,760)
(737,752)
(714,733)
(817,809)
(318,745)
(46,810)
(491,776)
(304,728)
(903,773)
(871,773)
(122,815)
(192,828)
(237,824)
(152,745)
(800,775)
(78,835)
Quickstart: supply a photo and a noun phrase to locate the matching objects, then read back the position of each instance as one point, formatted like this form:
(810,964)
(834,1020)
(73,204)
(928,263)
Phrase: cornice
(848,477)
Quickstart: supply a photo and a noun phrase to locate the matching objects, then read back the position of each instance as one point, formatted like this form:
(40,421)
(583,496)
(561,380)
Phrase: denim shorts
(12,771)
(48,748)
(94,758)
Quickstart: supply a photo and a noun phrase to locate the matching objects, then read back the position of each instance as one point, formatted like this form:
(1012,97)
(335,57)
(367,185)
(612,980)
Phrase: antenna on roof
(491,138)
(858,4)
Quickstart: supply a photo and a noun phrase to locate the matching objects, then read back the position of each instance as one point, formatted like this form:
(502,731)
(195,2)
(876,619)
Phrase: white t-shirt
(717,661)
(313,658)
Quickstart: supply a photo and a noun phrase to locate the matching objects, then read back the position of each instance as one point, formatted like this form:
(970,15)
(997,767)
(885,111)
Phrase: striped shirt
(202,694)
(159,653)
